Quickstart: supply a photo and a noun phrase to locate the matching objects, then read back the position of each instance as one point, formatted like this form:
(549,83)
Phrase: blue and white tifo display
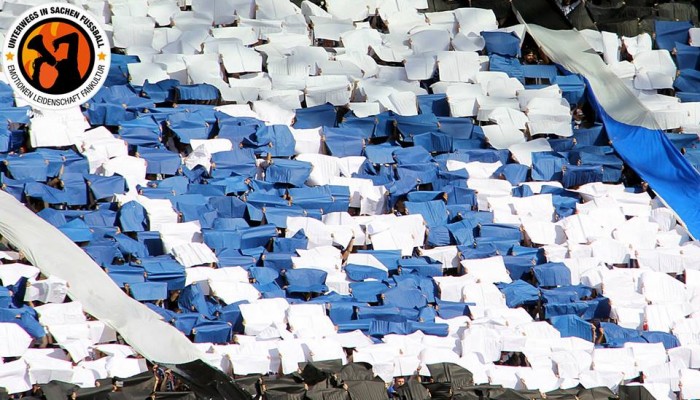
(361,199)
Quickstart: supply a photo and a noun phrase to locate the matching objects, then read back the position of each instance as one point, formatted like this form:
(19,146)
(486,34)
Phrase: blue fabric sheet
(573,326)
(591,136)
(513,173)
(668,340)
(19,115)
(688,80)
(434,104)
(276,140)
(390,258)
(345,142)
(28,166)
(502,43)
(519,293)
(77,231)
(313,117)
(232,314)
(688,97)
(102,187)
(292,172)
(200,92)
(143,131)
(434,212)
(306,280)
(5,297)
(519,266)
(435,142)
(546,72)
(422,266)
(160,91)
(359,273)
(341,311)
(121,274)
(501,231)
(614,332)
(577,175)
(547,165)
(404,298)
(212,332)
(683,141)
(149,291)
(103,254)
(164,269)
(552,274)
(367,292)
(75,190)
(457,127)
(597,308)
(383,313)
(408,126)
(129,247)
(667,33)
(687,57)
(509,65)
(192,299)
(10,140)
(26,318)
(185,322)
(552,310)
(132,217)
(573,87)
(160,160)
(451,309)
(44,192)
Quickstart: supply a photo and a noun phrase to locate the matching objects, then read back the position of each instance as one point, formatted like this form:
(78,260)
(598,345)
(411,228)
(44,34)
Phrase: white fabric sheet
(264,313)
(14,377)
(690,383)
(503,136)
(50,290)
(191,254)
(458,66)
(49,128)
(491,270)
(14,341)
(522,152)
(476,20)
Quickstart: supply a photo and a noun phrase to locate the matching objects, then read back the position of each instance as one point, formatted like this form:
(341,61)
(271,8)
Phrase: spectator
(398,382)
(530,57)
(598,332)
(579,117)
(567,6)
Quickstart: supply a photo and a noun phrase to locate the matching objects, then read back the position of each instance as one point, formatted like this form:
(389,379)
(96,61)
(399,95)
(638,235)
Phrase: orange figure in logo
(56,57)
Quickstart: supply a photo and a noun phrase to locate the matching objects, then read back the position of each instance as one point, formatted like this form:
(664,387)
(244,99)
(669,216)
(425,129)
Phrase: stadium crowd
(359,199)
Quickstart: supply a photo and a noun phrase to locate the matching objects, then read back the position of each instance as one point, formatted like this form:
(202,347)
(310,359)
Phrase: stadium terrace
(367,199)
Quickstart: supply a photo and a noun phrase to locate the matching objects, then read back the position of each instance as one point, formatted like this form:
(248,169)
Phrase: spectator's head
(399,381)
(530,57)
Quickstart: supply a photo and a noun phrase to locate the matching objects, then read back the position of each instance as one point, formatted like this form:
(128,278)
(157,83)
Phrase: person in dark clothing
(530,57)
(68,74)
(69,77)
(598,332)
(398,382)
